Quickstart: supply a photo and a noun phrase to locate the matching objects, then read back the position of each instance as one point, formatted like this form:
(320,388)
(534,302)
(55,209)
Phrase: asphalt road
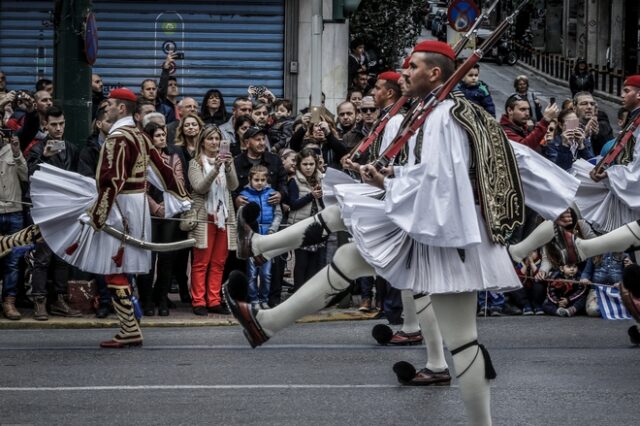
(551,371)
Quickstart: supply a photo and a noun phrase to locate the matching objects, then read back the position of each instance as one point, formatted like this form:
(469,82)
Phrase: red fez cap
(405,63)
(633,80)
(389,76)
(123,94)
(435,47)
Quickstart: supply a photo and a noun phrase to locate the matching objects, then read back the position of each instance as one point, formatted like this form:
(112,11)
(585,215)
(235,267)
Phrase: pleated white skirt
(548,189)
(597,204)
(409,265)
(60,202)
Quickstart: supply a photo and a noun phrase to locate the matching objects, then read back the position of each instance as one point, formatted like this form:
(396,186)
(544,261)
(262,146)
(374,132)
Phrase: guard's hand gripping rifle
(420,114)
(613,153)
(361,148)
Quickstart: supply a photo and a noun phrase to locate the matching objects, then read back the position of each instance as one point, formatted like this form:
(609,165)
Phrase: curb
(155,322)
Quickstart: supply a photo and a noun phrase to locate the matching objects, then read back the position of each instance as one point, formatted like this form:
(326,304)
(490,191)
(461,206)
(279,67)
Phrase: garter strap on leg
(489,371)
(338,292)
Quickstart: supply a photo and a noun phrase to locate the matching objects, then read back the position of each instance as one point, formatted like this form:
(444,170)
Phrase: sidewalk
(182,316)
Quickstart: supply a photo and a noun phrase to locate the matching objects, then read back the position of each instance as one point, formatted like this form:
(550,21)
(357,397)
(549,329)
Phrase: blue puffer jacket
(479,95)
(266,211)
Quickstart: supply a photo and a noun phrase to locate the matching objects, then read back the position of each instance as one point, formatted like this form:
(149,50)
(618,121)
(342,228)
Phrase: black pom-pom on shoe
(405,372)
(313,235)
(250,214)
(382,333)
(634,335)
(238,286)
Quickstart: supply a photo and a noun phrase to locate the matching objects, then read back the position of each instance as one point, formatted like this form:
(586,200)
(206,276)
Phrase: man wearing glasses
(369,114)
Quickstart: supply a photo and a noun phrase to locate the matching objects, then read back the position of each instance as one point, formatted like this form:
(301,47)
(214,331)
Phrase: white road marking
(200,387)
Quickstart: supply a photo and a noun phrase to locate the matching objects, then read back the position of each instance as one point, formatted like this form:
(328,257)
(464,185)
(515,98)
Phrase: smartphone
(571,123)
(57,146)
(5,136)
(178,55)
(552,100)
(315,115)
(225,148)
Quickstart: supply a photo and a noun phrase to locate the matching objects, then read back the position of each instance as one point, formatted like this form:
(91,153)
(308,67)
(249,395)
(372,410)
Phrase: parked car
(503,52)
(438,26)
(431,9)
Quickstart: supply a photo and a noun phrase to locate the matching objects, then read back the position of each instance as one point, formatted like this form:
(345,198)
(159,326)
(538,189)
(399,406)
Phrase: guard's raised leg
(312,230)
(323,289)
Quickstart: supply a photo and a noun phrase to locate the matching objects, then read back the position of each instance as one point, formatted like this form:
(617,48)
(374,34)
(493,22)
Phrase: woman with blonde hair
(187,136)
(213,177)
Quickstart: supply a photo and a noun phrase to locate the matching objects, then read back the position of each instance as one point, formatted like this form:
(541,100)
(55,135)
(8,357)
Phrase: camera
(178,55)
(22,96)
(257,91)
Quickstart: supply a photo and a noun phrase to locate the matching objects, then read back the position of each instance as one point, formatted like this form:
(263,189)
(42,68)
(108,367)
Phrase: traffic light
(343,8)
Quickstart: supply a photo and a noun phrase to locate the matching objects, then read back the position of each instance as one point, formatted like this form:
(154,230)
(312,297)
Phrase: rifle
(610,157)
(441,92)
(364,145)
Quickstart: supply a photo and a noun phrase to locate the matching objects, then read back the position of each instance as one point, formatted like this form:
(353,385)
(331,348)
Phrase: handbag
(189,220)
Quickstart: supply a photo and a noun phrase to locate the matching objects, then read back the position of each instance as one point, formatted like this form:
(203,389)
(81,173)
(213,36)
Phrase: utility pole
(72,73)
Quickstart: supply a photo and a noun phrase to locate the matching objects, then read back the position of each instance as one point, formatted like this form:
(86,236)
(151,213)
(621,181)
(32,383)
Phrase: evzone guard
(401,245)
(71,209)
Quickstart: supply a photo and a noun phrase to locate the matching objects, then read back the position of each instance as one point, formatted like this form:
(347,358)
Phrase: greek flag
(610,303)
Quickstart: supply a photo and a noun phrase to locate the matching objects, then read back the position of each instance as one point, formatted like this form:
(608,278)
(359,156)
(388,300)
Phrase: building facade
(227,45)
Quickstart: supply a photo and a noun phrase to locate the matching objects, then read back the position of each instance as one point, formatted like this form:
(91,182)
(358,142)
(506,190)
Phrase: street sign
(90,39)
(462,14)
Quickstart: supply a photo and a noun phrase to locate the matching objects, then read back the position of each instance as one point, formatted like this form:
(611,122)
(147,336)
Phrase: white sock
(316,293)
(620,239)
(456,315)
(291,237)
(539,237)
(436,361)
(410,318)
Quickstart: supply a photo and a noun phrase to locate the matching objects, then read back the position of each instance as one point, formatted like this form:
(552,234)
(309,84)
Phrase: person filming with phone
(595,124)
(55,151)
(570,141)
(514,122)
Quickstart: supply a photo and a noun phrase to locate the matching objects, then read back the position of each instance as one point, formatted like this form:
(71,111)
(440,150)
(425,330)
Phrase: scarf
(217,196)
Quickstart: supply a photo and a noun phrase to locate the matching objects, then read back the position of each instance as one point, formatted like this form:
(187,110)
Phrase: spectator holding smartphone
(596,124)
(213,177)
(55,151)
(570,142)
(517,114)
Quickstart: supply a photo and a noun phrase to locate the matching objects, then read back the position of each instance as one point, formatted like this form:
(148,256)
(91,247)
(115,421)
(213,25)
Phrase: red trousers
(207,268)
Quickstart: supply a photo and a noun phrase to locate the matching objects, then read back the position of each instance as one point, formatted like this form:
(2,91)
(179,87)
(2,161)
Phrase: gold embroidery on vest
(103,206)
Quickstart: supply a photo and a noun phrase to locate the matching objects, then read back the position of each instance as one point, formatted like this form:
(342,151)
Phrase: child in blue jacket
(258,191)
(476,90)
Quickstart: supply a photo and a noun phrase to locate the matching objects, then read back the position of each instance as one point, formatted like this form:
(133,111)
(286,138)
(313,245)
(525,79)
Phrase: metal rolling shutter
(227,44)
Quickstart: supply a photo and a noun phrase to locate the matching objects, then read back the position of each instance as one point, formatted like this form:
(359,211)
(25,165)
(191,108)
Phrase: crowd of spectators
(578,129)
(262,151)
